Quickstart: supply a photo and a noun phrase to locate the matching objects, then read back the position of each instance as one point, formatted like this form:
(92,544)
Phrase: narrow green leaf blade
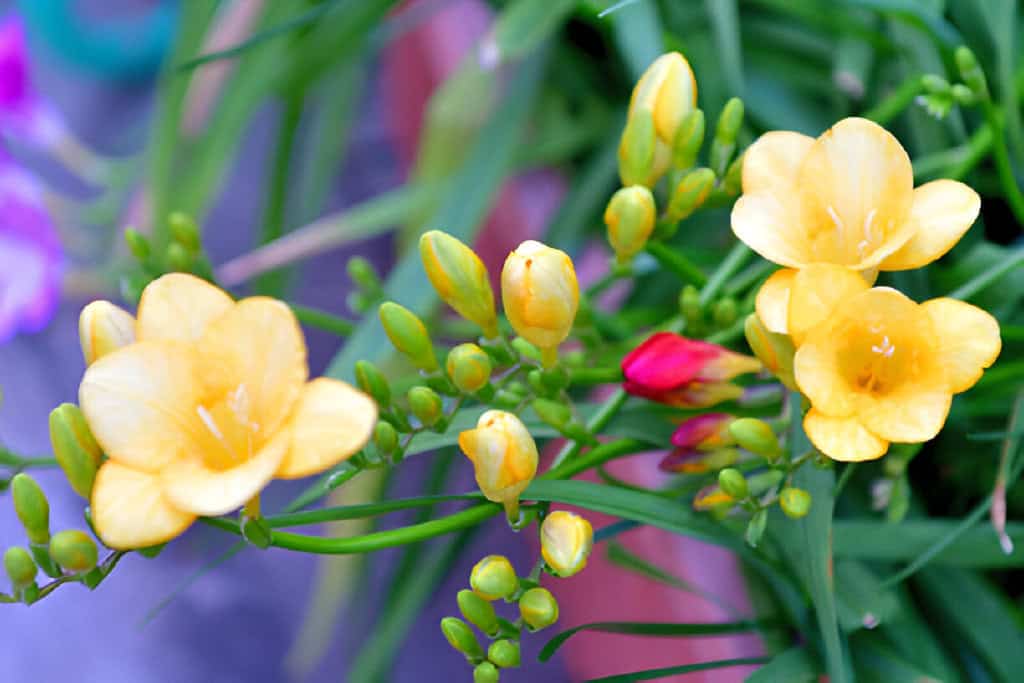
(640,628)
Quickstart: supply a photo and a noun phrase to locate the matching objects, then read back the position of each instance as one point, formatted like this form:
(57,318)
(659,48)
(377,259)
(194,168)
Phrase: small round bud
(425,404)
(688,140)
(372,381)
(538,608)
(485,672)
(551,412)
(20,567)
(362,272)
(566,540)
(75,448)
(478,611)
(179,259)
(690,193)
(184,230)
(733,483)
(525,349)
(494,577)
(460,278)
(385,437)
(461,637)
(689,305)
(724,312)
(504,653)
(935,84)
(32,507)
(756,436)
(796,503)
(730,120)
(469,366)
(137,243)
(963,95)
(102,328)
(540,294)
(409,335)
(630,217)
(74,550)
(970,71)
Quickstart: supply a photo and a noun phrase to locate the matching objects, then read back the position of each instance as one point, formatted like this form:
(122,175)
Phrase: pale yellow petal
(843,438)
(942,212)
(967,338)
(816,292)
(128,510)
(818,373)
(140,402)
(912,414)
(332,421)
(856,187)
(178,307)
(769,224)
(257,349)
(771,164)
(772,301)
(192,486)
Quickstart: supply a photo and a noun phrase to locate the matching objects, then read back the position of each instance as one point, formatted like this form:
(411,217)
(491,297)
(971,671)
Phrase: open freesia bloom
(846,198)
(878,367)
(204,408)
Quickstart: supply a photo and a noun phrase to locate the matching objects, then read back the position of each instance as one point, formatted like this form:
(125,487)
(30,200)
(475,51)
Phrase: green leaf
(639,628)
(861,601)
(874,660)
(651,674)
(909,540)
(637,31)
(525,24)
(792,666)
(724,16)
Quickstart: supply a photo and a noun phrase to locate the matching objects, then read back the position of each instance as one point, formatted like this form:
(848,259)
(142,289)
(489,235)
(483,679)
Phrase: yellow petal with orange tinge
(817,372)
(843,438)
(942,211)
(771,164)
(856,187)
(911,415)
(140,402)
(257,346)
(772,301)
(967,339)
(332,421)
(769,224)
(816,292)
(178,307)
(192,486)
(128,510)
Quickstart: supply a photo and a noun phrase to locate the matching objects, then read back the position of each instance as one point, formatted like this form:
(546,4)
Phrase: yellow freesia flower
(504,457)
(848,199)
(878,367)
(204,408)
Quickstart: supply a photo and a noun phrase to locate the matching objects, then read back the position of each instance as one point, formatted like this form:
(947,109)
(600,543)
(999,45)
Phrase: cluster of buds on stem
(183,253)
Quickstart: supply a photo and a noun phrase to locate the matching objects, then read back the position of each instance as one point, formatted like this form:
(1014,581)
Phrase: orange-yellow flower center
(229,435)
(878,357)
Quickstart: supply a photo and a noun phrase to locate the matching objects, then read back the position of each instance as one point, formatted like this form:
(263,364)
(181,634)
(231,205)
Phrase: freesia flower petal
(816,292)
(332,421)
(912,414)
(190,485)
(817,372)
(257,349)
(968,340)
(665,360)
(179,307)
(139,402)
(941,213)
(772,163)
(856,188)
(773,300)
(843,438)
(769,224)
(129,511)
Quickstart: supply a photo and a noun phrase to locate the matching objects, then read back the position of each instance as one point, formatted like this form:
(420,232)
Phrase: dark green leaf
(651,674)
(792,666)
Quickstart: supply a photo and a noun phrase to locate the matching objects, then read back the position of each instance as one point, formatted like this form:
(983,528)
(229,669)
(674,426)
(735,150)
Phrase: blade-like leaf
(792,666)
(651,674)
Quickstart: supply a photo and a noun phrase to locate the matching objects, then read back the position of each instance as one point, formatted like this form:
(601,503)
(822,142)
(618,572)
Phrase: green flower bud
(689,138)
(538,608)
(689,305)
(425,404)
(478,612)
(493,577)
(485,672)
(963,95)
(756,527)
(733,183)
(75,447)
(730,121)
(690,193)
(469,367)
(74,550)
(762,481)
(935,84)
(636,150)
(970,71)
(408,334)
(385,437)
(504,653)
(372,382)
(184,230)
(552,413)
(460,278)
(32,507)
(724,312)
(526,349)
(179,259)
(733,483)
(506,400)
(630,217)
(362,272)
(756,436)
(21,570)
(461,637)
(137,243)
(796,503)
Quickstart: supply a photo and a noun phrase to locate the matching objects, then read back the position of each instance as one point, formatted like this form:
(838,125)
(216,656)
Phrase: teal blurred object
(130,48)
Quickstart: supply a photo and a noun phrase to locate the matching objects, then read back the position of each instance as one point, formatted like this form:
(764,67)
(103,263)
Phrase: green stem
(12,459)
(673,260)
(323,320)
(588,376)
(598,455)
(1001,156)
(898,100)
(984,279)
(734,260)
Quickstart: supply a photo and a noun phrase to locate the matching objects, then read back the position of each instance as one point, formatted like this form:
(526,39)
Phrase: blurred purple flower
(24,114)
(31,257)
